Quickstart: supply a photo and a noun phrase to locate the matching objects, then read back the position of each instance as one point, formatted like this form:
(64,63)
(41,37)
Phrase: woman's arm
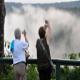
(47,28)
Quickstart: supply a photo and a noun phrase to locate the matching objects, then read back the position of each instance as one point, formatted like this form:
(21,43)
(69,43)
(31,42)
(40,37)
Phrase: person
(44,66)
(19,59)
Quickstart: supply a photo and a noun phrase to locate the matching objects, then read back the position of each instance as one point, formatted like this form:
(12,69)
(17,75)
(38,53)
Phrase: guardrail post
(57,71)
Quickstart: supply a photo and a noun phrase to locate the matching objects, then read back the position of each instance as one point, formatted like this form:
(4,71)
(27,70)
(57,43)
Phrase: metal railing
(57,62)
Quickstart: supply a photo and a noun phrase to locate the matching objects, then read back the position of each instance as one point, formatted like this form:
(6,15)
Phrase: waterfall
(65,27)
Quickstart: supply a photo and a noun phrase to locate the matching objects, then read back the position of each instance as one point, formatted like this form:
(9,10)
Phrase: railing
(57,62)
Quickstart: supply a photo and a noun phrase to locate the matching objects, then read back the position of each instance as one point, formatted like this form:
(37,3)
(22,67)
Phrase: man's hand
(24,33)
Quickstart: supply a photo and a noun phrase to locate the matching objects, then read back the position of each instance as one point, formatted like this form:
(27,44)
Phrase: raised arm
(46,25)
(47,28)
(24,33)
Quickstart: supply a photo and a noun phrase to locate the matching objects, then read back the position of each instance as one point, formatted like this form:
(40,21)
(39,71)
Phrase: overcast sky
(39,1)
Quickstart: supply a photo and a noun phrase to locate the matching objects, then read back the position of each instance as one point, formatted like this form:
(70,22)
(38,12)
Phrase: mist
(64,37)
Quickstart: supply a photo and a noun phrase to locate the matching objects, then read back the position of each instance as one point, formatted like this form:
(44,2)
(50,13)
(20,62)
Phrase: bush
(7,73)
(32,73)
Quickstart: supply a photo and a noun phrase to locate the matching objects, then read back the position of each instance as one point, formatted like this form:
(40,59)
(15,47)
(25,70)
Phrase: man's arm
(26,43)
(24,33)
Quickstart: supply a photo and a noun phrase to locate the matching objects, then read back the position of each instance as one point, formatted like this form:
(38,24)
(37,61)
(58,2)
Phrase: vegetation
(67,72)
(8,73)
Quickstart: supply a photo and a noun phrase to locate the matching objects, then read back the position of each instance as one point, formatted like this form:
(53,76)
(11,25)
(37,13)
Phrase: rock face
(2,17)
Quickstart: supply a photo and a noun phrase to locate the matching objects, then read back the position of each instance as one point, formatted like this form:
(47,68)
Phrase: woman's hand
(46,25)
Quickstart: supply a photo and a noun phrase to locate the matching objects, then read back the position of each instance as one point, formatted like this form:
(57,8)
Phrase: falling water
(65,28)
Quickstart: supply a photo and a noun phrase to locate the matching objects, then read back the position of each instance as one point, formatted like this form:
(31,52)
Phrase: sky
(39,1)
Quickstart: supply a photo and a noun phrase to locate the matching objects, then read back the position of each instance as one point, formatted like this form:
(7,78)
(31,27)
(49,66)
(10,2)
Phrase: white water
(65,28)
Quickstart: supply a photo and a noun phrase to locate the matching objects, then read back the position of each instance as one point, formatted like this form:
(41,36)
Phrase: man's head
(41,32)
(17,33)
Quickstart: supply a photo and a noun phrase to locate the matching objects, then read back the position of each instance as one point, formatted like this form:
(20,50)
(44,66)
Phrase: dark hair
(41,32)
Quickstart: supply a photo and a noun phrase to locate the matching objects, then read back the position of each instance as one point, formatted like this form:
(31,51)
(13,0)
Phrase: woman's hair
(41,32)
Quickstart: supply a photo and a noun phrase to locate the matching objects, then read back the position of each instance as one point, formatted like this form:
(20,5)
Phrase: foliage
(70,74)
(67,72)
(72,56)
(7,73)
(32,73)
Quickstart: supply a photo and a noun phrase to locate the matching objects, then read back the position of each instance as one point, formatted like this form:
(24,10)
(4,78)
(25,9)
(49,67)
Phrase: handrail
(57,62)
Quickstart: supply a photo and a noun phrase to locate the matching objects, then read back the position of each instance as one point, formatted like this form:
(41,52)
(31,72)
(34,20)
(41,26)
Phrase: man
(19,59)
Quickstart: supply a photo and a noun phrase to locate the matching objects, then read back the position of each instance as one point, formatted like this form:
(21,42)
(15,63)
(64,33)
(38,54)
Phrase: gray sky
(39,1)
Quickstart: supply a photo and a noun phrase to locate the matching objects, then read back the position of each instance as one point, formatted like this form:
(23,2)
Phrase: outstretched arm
(47,25)
(47,28)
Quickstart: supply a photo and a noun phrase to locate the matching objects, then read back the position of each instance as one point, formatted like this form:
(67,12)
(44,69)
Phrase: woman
(44,66)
